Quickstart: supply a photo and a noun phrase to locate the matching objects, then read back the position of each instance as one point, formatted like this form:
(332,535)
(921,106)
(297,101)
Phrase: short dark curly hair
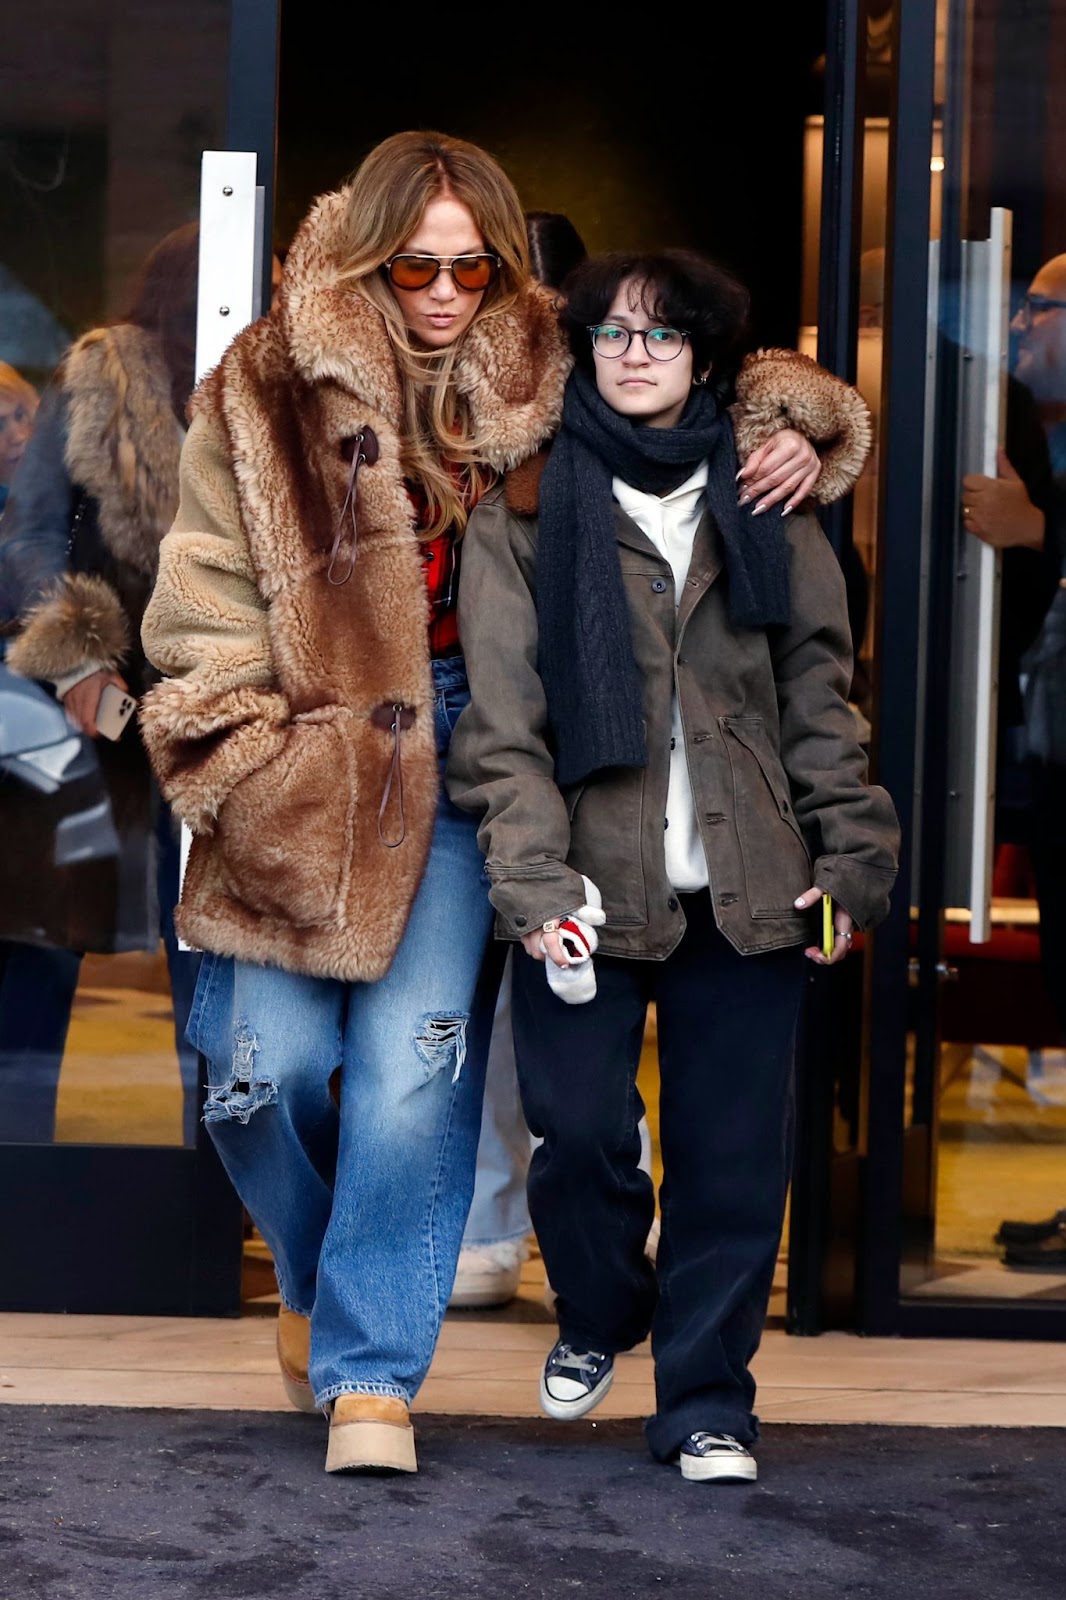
(679,288)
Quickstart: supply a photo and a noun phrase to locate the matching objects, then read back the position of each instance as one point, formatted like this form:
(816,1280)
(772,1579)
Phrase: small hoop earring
(697,383)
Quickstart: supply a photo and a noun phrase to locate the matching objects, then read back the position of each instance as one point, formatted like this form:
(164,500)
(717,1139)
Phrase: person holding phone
(94,492)
(661,755)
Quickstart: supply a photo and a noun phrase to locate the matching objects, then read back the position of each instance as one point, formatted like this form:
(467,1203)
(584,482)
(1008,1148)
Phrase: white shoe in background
(488,1274)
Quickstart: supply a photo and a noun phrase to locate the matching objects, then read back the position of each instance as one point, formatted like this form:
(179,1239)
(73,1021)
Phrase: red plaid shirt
(440,561)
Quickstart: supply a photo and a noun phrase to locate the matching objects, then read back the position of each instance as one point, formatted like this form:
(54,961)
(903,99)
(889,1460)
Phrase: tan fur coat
(268,737)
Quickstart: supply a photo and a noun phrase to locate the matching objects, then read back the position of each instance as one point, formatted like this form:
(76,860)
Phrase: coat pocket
(285,833)
(605,842)
(777,866)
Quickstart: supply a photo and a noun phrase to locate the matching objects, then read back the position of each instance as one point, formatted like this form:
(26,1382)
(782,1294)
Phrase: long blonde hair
(389,195)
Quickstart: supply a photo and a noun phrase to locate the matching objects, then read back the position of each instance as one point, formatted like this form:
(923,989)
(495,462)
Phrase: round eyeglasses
(469,273)
(609,339)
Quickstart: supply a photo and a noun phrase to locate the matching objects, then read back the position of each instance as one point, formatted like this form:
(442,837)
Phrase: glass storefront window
(106,111)
(986,1114)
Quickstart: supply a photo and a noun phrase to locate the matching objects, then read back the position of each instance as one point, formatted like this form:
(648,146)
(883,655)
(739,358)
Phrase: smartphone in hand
(114,711)
(828,930)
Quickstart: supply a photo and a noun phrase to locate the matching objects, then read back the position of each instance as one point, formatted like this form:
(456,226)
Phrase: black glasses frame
(594,329)
(443,264)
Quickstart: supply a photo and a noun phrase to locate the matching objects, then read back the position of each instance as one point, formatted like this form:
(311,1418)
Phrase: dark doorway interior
(693,138)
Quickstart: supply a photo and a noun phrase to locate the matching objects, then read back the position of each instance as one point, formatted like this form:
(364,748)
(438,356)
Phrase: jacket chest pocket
(605,843)
(777,866)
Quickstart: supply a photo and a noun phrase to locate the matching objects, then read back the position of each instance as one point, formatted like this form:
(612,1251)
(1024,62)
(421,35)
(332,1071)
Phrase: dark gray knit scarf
(586,662)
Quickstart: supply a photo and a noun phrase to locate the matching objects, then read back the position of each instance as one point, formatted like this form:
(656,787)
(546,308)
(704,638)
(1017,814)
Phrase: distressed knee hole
(441,1041)
(248,1087)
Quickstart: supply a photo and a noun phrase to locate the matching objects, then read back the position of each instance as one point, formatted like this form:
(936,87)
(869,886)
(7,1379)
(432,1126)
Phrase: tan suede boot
(294,1349)
(370,1433)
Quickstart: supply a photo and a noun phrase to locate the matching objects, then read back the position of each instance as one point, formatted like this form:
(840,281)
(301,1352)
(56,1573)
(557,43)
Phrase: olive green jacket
(778,777)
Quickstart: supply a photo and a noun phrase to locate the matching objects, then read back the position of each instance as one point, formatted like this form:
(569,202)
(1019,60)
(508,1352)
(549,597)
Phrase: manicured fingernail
(742,471)
(786,509)
(759,509)
(744,499)
(799,902)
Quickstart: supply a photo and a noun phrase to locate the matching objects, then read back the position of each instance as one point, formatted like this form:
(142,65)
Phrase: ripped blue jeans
(363,1207)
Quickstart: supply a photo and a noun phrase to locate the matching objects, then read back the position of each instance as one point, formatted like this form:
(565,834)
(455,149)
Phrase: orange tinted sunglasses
(470,273)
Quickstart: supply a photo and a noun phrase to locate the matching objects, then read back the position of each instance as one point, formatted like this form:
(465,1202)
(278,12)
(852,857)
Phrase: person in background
(659,740)
(96,489)
(1022,512)
(18,408)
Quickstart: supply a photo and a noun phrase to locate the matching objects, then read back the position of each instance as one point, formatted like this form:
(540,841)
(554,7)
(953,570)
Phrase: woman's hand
(83,701)
(842,925)
(785,468)
(553,947)
(999,510)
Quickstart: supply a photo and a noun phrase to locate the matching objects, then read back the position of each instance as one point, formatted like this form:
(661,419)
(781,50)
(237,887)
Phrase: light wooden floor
(489,1363)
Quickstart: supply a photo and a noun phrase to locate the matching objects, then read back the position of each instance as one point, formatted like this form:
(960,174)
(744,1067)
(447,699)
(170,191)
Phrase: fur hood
(123,439)
(121,447)
(512,367)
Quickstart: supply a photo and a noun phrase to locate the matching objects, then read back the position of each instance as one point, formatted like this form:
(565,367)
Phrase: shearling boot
(294,1348)
(370,1433)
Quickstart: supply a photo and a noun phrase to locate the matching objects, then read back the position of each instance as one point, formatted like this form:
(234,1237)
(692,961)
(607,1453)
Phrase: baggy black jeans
(727,1026)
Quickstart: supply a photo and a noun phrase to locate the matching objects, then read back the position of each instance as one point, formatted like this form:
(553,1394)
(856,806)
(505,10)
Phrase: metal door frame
(864,1249)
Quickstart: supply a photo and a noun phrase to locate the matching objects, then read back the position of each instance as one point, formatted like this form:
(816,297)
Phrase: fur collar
(512,367)
(123,439)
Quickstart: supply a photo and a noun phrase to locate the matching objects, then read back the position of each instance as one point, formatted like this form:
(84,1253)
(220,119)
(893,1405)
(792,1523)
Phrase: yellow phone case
(828,931)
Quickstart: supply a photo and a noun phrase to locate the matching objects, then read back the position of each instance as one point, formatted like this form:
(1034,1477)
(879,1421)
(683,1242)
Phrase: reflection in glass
(93,858)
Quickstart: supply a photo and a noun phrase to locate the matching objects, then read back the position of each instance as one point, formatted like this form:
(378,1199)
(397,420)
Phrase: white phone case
(114,711)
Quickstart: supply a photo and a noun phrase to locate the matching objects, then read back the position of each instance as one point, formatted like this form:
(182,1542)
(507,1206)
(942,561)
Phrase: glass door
(931,1186)
(111,1198)
(986,1080)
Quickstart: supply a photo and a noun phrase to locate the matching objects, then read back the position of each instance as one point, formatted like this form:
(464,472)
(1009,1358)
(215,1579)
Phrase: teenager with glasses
(305,619)
(659,723)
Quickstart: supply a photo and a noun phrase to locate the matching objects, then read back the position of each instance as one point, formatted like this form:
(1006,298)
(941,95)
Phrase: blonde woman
(305,619)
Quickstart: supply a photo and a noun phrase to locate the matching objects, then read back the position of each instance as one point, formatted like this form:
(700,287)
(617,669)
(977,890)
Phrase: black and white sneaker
(573,1382)
(716,1457)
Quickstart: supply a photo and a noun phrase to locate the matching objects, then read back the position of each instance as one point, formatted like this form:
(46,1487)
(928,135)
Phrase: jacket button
(666,823)
(659,585)
(673,744)
(672,904)
(519,922)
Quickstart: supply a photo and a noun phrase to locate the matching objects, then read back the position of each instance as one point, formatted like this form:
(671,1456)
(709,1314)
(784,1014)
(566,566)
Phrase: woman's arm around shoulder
(780,390)
(219,713)
(500,762)
(849,824)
